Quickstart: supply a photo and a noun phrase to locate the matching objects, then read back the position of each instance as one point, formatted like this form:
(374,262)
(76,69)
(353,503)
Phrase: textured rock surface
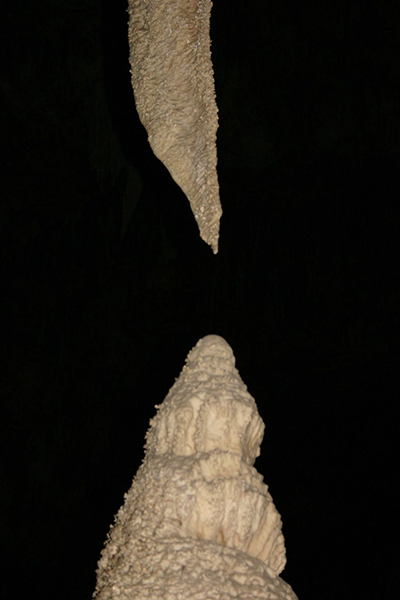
(198,521)
(173,84)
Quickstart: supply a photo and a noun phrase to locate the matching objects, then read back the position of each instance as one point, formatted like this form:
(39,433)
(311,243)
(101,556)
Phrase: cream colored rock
(198,521)
(173,84)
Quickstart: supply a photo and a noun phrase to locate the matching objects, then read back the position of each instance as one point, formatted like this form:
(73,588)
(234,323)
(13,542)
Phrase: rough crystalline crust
(198,521)
(173,84)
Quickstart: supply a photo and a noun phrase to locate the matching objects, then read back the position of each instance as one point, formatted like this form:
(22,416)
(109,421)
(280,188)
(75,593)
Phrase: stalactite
(173,84)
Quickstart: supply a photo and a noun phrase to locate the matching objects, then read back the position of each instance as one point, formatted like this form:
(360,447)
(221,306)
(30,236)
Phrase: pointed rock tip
(211,345)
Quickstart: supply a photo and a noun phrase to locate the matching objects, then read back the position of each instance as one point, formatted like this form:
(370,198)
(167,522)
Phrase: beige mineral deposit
(173,84)
(198,522)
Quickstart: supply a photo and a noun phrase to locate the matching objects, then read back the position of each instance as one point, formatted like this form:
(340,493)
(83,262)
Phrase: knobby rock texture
(198,521)
(173,84)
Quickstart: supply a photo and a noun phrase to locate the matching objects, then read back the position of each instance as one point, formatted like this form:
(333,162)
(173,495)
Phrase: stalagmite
(173,84)
(198,522)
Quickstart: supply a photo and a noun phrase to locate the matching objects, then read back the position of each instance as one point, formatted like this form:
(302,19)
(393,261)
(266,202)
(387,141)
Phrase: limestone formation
(198,522)
(173,84)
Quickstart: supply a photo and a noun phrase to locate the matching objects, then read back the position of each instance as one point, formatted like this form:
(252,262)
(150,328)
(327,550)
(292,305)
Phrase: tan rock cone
(198,521)
(173,84)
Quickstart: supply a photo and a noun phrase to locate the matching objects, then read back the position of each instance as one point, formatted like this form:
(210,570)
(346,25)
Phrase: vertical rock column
(173,84)
(198,521)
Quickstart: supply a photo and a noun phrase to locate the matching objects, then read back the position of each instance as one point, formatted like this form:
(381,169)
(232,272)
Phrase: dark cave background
(107,284)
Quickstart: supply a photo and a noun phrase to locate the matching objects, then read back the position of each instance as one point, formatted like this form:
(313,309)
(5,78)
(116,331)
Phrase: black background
(107,284)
